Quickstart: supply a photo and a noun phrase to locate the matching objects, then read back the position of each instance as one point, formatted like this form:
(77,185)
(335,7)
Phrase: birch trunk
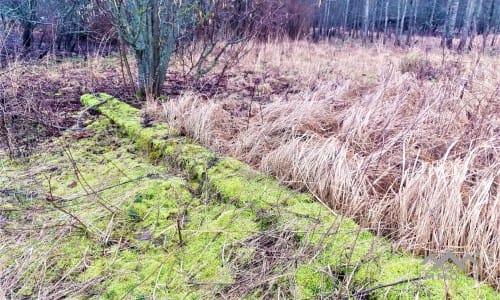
(451,22)
(366,20)
(467,23)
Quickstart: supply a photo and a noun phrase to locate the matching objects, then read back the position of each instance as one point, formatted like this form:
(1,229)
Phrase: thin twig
(80,115)
(368,291)
(52,200)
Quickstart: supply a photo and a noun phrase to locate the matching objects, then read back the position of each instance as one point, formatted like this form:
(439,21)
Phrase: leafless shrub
(421,67)
(425,69)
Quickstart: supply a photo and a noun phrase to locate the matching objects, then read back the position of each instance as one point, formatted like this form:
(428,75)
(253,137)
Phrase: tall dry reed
(411,158)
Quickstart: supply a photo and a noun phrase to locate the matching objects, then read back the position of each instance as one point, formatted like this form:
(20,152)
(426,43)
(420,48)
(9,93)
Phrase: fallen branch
(52,200)
(80,115)
(368,291)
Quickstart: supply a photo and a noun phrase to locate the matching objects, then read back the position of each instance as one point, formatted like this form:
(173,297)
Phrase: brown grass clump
(424,68)
(407,144)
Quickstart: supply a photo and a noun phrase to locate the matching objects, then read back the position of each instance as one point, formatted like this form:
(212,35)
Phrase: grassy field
(403,141)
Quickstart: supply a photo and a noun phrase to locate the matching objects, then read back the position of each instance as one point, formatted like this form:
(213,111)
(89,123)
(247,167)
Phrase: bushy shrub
(425,69)
(421,67)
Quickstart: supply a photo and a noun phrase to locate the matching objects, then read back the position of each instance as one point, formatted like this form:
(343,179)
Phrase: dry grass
(405,141)
(40,99)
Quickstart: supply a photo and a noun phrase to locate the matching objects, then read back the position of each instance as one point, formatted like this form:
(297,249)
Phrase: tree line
(402,20)
(203,30)
(56,23)
(68,21)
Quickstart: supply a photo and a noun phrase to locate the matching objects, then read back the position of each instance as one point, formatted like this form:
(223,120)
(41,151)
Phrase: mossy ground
(92,217)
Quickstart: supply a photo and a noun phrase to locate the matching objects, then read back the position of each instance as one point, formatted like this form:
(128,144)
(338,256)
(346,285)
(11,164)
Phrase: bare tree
(152,28)
(366,20)
(346,16)
(396,36)
(450,23)
(25,12)
(430,25)
(471,5)
(477,12)
(386,20)
(413,23)
(29,22)
(488,21)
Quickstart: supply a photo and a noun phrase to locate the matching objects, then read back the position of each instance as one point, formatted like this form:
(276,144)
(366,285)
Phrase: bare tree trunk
(490,13)
(403,17)
(326,22)
(413,22)
(155,49)
(452,20)
(366,20)
(346,15)
(355,27)
(467,22)
(376,21)
(386,20)
(477,12)
(431,18)
(402,22)
(397,24)
(28,28)
(373,21)
(158,78)
(321,20)
(29,24)
(415,16)
(494,39)
(446,21)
